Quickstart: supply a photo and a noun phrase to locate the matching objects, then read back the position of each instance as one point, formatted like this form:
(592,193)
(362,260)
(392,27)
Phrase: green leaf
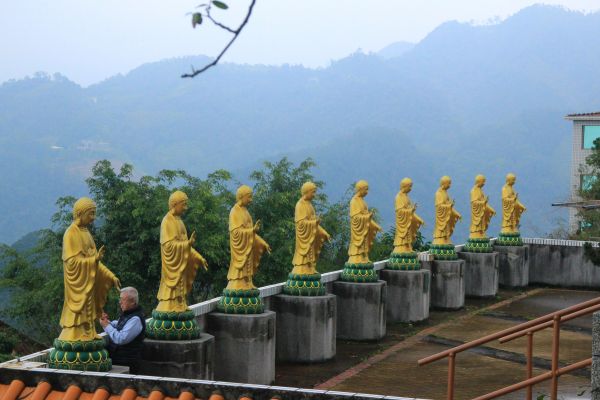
(220,5)
(196,19)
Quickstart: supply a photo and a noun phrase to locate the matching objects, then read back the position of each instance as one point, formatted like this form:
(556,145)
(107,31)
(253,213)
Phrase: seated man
(126,335)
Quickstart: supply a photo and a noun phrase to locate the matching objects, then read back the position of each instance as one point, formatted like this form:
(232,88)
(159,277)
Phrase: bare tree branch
(235,32)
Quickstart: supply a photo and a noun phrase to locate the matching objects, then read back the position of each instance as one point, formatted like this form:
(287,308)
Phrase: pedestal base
(481,273)
(89,355)
(513,266)
(407,295)
(191,359)
(244,347)
(306,327)
(360,310)
(447,284)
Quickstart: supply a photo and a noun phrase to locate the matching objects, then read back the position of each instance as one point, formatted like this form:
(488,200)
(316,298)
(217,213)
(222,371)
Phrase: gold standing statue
(446,217)
(362,233)
(305,280)
(87,282)
(247,248)
(408,223)
(180,263)
(512,209)
(481,214)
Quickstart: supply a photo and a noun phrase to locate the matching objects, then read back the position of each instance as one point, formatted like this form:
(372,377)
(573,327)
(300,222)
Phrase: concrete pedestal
(513,265)
(306,327)
(360,310)
(192,359)
(407,294)
(481,273)
(244,347)
(447,284)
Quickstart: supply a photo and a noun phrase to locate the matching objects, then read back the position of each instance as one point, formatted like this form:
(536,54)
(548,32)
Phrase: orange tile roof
(52,384)
(583,115)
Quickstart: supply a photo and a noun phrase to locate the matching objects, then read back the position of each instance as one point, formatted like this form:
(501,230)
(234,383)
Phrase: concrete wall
(562,264)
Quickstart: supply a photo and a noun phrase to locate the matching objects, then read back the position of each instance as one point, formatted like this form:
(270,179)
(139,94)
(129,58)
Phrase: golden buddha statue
(407,220)
(445,214)
(481,211)
(180,261)
(310,235)
(245,244)
(362,227)
(87,281)
(511,207)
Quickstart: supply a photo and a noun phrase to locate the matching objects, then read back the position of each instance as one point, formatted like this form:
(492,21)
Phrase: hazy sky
(93,39)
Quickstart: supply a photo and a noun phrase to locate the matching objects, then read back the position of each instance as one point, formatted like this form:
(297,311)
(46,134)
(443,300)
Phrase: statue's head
(244,195)
(84,211)
(406,185)
(178,202)
(361,188)
(308,190)
(445,182)
(511,179)
(480,180)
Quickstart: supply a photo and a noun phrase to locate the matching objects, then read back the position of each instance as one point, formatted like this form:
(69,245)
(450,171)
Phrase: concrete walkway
(390,367)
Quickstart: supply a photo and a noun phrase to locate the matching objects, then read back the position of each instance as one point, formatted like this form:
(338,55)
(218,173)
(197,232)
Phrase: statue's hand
(318,221)
(117,283)
(204,264)
(257,225)
(100,254)
(268,248)
(192,239)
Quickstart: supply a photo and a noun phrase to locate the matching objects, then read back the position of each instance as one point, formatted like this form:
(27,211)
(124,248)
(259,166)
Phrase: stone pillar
(596,356)
(306,327)
(407,294)
(360,310)
(481,273)
(447,283)
(513,265)
(192,359)
(244,347)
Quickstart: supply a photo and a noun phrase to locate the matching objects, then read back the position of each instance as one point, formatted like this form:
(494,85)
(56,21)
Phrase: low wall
(561,263)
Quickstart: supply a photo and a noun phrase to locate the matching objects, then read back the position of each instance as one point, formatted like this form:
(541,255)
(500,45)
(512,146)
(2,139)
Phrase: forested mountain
(465,100)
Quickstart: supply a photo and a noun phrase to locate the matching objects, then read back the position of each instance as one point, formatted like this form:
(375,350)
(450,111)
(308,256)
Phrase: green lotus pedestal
(80,355)
(443,252)
(403,262)
(304,285)
(509,239)
(359,273)
(172,326)
(239,301)
(478,245)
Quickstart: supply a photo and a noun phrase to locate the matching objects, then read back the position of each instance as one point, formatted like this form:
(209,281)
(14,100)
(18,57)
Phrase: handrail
(527,328)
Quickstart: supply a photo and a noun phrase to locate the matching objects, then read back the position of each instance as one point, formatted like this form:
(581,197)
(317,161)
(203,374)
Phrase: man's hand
(192,239)
(104,321)
(100,254)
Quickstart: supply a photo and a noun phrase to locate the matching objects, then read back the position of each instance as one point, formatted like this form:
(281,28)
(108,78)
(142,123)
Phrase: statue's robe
(87,283)
(511,210)
(180,263)
(445,218)
(362,231)
(310,237)
(407,224)
(481,213)
(246,248)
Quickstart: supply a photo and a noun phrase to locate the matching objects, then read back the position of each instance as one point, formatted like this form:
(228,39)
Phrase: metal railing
(525,329)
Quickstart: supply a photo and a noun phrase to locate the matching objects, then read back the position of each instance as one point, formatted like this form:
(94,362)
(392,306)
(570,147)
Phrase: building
(586,129)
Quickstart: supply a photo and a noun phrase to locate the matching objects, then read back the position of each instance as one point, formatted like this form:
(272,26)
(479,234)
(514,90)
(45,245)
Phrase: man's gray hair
(132,293)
